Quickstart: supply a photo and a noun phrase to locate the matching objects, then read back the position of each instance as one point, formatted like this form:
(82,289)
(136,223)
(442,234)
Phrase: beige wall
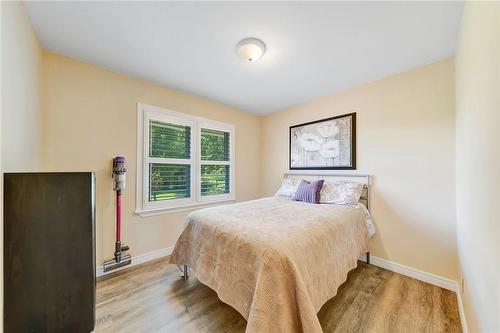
(478,163)
(405,134)
(90,117)
(21,90)
(21,58)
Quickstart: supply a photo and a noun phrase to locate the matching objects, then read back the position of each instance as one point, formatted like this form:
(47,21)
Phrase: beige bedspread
(275,260)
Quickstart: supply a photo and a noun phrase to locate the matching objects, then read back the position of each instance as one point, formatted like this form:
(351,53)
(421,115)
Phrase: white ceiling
(313,48)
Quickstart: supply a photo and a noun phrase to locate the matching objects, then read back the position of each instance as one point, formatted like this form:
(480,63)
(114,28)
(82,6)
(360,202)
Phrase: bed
(276,260)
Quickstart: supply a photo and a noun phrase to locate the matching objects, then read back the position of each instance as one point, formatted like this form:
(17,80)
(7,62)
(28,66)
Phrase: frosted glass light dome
(251,49)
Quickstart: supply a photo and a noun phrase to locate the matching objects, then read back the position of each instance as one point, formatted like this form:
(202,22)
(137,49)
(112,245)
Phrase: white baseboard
(137,260)
(376,261)
(415,273)
(461,310)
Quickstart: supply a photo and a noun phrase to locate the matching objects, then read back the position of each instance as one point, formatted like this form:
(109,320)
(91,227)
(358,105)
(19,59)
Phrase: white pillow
(341,192)
(288,188)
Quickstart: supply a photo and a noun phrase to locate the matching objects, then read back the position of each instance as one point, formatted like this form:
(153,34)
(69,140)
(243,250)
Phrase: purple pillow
(309,191)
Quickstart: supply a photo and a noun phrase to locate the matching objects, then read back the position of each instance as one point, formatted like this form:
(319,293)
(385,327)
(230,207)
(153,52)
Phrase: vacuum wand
(120,259)
(118,245)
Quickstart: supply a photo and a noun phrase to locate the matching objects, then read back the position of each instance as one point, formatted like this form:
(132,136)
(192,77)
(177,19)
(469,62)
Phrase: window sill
(160,211)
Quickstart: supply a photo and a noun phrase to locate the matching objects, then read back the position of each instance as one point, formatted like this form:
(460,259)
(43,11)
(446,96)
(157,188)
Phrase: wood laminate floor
(153,298)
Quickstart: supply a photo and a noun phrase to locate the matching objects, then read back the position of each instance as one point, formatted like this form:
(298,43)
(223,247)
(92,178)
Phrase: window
(183,161)
(215,162)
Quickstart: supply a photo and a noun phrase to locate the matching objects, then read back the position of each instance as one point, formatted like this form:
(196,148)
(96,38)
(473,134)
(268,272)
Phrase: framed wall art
(326,144)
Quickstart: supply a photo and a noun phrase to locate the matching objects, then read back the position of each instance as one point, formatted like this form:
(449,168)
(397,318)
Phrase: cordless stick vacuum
(121,259)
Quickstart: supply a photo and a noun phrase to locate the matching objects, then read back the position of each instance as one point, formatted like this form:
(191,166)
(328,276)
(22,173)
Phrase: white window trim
(146,208)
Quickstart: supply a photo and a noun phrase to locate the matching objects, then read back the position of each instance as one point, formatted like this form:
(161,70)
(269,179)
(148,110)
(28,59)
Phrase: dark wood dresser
(49,252)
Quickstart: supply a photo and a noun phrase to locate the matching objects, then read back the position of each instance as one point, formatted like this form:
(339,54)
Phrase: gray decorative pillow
(288,188)
(341,192)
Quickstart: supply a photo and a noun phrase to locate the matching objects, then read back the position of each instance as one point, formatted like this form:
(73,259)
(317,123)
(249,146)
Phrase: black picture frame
(352,144)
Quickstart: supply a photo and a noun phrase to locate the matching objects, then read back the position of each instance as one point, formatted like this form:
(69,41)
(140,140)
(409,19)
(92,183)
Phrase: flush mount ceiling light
(251,49)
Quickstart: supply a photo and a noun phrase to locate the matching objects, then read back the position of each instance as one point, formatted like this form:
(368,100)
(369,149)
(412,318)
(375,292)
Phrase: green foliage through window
(169,140)
(169,181)
(214,145)
(214,179)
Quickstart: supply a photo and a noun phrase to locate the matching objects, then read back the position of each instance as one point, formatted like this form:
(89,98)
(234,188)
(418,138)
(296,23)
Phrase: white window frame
(144,207)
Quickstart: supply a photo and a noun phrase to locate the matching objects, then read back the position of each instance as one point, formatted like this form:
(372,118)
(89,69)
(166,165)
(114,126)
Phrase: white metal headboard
(363,179)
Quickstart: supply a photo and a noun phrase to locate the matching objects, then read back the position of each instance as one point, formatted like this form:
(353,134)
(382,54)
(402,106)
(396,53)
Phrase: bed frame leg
(368,258)
(185,272)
